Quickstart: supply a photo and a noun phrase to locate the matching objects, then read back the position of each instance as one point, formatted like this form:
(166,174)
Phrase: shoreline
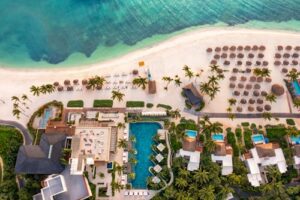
(181,38)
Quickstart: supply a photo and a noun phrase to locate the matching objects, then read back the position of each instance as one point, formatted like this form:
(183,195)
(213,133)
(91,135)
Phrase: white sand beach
(164,59)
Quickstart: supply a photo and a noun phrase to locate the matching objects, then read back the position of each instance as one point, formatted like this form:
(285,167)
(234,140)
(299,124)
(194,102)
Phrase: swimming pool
(191,133)
(47,115)
(143,133)
(295,140)
(218,137)
(258,138)
(296,87)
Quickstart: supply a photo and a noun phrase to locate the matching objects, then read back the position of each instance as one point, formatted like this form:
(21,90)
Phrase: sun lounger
(126,193)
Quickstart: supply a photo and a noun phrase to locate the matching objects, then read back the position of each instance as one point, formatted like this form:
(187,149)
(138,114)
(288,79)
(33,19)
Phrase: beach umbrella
(99,87)
(248,70)
(258,63)
(239,109)
(239,63)
(259,79)
(245,93)
(232,48)
(288,48)
(268,80)
(217,49)
(257,86)
(247,48)
(259,101)
(250,55)
(56,84)
(284,70)
(88,87)
(262,48)
(236,93)
(135,72)
(75,81)
(240,85)
(277,55)
(216,56)
(225,48)
(251,101)
(209,50)
(213,62)
(267,107)
(243,101)
(265,63)
(263,93)
(235,70)
(285,62)
(226,62)
(243,78)
(286,55)
(250,109)
(297,48)
(60,88)
(259,109)
(255,48)
(248,63)
(295,55)
(295,62)
(224,55)
(260,55)
(279,48)
(70,88)
(67,82)
(84,82)
(232,55)
(233,78)
(248,86)
(256,93)
(277,89)
(232,85)
(252,79)
(240,55)
(240,48)
(277,63)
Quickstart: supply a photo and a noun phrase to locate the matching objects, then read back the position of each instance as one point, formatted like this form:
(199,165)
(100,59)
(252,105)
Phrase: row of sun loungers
(136,193)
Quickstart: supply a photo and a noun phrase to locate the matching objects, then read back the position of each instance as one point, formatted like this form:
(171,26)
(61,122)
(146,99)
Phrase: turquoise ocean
(64,33)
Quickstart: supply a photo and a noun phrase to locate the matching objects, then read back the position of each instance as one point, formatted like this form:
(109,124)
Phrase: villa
(223,156)
(261,156)
(191,150)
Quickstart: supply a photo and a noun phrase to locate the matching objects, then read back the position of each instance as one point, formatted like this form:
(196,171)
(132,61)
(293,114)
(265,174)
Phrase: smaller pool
(218,137)
(191,133)
(296,87)
(295,140)
(258,138)
(47,115)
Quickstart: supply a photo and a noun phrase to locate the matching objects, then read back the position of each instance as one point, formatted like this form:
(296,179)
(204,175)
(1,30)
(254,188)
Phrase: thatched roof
(226,62)
(232,55)
(209,50)
(239,63)
(232,78)
(279,48)
(250,108)
(258,63)
(67,82)
(60,88)
(259,79)
(247,48)
(248,70)
(295,55)
(240,48)
(56,84)
(70,88)
(248,86)
(232,85)
(259,101)
(251,101)
(277,89)
(84,82)
(267,107)
(288,48)
(256,93)
(235,70)
(248,63)
(284,70)
(257,86)
(224,55)
(75,81)
(295,62)
(243,78)
(239,109)
(268,80)
(135,72)
(232,48)
(245,93)
(151,87)
(236,93)
(263,93)
(262,48)
(259,109)
(213,62)
(217,49)
(240,55)
(243,101)
(255,48)
(252,79)
(297,48)
(225,48)
(241,85)
(250,55)
(277,63)
(260,55)
(265,63)
(286,55)
(216,56)
(277,55)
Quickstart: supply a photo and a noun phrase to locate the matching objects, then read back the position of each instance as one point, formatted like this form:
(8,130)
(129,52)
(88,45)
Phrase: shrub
(201,106)
(135,104)
(75,103)
(231,140)
(253,126)
(290,122)
(149,105)
(103,103)
(247,138)
(167,107)
(246,124)
(238,133)
(188,105)
(201,138)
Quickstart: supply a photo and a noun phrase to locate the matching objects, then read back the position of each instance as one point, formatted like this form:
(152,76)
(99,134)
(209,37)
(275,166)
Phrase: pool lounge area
(258,139)
(191,133)
(143,132)
(218,137)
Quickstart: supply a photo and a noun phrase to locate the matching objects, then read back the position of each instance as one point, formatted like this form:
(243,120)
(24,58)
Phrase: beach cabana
(262,48)
(265,63)
(259,109)
(75,81)
(213,62)
(251,101)
(243,101)
(256,93)
(224,55)
(243,78)
(233,78)
(157,168)
(156,180)
(245,93)
(217,49)
(297,48)
(235,70)
(84,82)
(232,55)
(250,55)
(248,86)
(255,48)
(260,101)
(60,88)
(277,63)
(232,48)
(226,62)
(217,56)
(257,86)
(236,93)
(239,63)
(161,147)
(240,55)
(248,63)
(56,84)
(247,48)
(260,55)
(284,70)
(248,70)
(259,79)
(225,48)
(277,55)
(232,85)
(159,157)
(288,48)
(263,93)
(277,89)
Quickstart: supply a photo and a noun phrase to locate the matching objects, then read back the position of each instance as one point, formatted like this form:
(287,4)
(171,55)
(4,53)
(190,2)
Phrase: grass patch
(290,122)
(276,134)
(102,103)
(231,140)
(167,107)
(135,104)
(149,105)
(75,104)
(247,138)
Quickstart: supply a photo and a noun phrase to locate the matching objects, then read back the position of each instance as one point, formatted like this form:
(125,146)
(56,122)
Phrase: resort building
(192,94)
(191,150)
(261,156)
(222,154)
(64,186)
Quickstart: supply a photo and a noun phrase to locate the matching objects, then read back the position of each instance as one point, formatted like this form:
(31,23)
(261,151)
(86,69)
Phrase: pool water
(295,140)
(191,133)
(143,133)
(257,138)
(47,115)
(296,87)
(218,137)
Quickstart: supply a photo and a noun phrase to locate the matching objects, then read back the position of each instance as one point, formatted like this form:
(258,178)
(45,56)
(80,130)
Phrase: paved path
(26,135)
(2,169)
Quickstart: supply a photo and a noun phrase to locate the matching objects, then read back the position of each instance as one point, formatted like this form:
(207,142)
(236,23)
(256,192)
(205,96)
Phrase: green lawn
(75,103)
(103,103)
(135,104)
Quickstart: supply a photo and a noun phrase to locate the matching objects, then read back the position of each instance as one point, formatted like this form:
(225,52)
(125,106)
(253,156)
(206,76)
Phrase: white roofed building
(223,155)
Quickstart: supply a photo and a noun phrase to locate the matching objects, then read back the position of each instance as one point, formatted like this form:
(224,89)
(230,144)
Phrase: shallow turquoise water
(143,133)
(61,33)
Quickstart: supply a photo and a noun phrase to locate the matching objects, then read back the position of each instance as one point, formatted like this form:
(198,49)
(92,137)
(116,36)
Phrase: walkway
(2,169)
(26,135)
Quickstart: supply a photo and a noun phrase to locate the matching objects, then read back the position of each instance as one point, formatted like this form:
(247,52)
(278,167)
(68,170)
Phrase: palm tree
(132,138)
(214,68)
(15,99)
(131,176)
(267,115)
(24,97)
(209,146)
(119,169)
(215,127)
(205,88)
(96,82)
(265,72)
(35,90)
(140,82)
(213,80)
(117,95)
(225,190)
(231,116)
(122,143)
(117,185)
(214,91)
(177,81)
(207,193)
(273,173)
(232,101)
(271,98)
(50,88)
(43,89)
(167,79)
(201,176)
(229,109)
(16,113)
(181,183)
(121,125)
(292,131)
(132,160)
(293,75)
(183,173)
(257,72)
